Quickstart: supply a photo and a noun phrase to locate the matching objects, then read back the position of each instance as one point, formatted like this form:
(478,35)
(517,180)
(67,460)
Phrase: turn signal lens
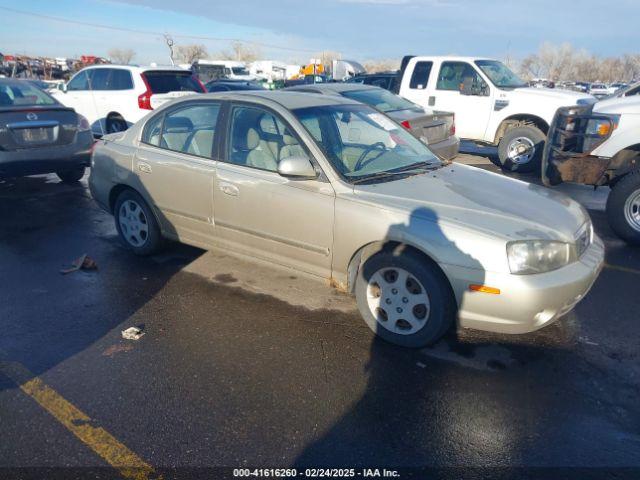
(484,289)
(604,129)
(406,124)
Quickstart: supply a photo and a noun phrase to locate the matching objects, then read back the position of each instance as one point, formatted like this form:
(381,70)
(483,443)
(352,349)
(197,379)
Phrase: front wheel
(521,148)
(136,224)
(71,176)
(405,299)
(623,208)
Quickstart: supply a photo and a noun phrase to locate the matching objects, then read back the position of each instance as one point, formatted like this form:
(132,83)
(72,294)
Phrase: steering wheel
(361,163)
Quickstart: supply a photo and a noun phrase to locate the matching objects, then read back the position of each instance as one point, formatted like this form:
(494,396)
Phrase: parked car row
(337,181)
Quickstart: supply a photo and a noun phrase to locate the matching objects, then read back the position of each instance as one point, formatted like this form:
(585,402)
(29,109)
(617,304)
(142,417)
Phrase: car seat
(176,132)
(260,155)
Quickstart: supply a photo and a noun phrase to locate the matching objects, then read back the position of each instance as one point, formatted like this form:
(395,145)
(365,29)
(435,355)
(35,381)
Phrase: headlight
(603,126)
(537,256)
(83,123)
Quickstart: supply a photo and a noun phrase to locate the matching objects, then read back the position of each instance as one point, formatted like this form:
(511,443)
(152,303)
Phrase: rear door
(415,87)
(113,92)
(176,163)
(167,85)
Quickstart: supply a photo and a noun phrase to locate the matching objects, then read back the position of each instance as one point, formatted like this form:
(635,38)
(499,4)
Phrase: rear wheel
(71,176)
(623,208)
(520,150)
(404,299)
(136,224)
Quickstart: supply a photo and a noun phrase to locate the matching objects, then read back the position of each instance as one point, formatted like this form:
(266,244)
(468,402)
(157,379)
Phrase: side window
(121,79)
(79,82)
(260,140)
(190,130)
(420,75)
(100,79)
(152,130)
(453,74)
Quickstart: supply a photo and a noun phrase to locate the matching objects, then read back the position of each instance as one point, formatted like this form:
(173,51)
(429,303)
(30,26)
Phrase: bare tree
(190,53)
(383,65)
(121,56)
(241,52)
(530,67)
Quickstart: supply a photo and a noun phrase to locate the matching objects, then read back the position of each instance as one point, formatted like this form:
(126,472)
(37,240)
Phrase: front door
(176,167)
(472,111)
(261,213)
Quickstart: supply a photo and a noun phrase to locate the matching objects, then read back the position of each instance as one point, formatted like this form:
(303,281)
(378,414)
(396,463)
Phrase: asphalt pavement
(242,365)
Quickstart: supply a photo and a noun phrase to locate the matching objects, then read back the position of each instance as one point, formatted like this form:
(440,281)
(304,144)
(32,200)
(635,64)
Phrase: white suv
(113,97)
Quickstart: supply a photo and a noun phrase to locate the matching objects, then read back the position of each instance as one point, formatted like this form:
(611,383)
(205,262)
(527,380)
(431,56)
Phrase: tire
(71,176)
(526,136)
(116,124)
(623,208)
(439,309)
(136,224)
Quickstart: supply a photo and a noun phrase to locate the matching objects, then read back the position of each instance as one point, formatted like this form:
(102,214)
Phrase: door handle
(432,101)
(144,167)
(229,189)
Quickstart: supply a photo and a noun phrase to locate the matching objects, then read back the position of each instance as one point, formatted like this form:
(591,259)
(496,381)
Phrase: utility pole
(169,40)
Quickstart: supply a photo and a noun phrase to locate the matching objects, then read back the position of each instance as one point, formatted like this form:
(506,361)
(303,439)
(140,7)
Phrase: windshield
(499,74)
(382,100)
(362,143)
(23,93)
(239,71)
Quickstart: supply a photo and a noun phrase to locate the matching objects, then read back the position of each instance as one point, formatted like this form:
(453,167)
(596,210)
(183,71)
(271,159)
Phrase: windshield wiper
(396,173)
(419,165)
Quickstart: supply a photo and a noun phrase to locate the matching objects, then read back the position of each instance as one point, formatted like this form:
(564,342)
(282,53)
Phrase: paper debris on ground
(132,333)
(83,262)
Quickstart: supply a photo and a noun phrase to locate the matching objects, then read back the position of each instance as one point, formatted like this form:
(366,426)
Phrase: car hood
(482,201)
(630,105)
(562,97)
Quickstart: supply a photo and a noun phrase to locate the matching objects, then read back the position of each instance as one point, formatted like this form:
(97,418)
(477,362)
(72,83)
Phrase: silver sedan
(335,188)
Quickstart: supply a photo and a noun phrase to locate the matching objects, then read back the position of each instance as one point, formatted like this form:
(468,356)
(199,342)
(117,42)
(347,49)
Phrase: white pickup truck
(492,105)
(600,145)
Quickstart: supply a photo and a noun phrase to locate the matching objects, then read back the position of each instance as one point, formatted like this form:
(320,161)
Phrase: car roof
(138,68)
(451,58)
(333,88)
(288,99)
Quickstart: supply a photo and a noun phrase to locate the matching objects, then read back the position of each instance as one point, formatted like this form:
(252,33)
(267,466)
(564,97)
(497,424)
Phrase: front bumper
(526,302)
(35,161)
(568,150)
(446,149)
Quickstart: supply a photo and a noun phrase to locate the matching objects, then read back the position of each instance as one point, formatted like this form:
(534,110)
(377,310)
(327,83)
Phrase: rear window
(165,82)
(420,75)
(23,94)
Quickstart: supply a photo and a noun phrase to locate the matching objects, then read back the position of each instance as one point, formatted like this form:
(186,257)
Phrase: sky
(292,30)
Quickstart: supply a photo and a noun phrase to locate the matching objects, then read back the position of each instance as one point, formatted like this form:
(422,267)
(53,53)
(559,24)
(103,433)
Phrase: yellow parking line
(80,424)
(622,269)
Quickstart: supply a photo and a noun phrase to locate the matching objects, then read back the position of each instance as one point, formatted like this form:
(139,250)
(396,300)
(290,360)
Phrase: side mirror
(470,87)
(62,87)
(298,167)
